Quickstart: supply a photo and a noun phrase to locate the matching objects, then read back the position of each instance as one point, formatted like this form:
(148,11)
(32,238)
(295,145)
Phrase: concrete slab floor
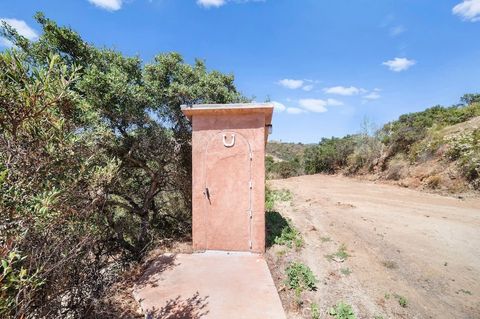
(213,285)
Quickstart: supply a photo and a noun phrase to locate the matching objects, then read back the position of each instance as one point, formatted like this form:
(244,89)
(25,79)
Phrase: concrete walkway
(213,285)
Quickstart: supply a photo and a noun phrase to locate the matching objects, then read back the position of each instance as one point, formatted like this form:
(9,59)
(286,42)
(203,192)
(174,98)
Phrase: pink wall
(222,221)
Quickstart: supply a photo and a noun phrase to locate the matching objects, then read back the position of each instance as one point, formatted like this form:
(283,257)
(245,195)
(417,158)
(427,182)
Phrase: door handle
(206,192)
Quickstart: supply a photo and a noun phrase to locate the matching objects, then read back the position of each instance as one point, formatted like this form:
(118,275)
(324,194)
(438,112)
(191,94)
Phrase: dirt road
(401,242)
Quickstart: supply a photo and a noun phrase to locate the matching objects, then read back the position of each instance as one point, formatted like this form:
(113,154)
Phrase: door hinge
(250,184)
(250,244)
(251,156)
(250,214)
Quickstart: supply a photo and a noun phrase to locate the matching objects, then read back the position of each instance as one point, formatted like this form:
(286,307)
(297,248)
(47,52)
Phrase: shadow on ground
(194,307)
(274,225)
(156,267)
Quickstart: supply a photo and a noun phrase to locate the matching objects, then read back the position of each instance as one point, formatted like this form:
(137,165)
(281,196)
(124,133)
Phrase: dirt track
(402,242)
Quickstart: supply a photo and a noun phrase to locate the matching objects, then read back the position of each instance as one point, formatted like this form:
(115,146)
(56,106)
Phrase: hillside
(438,148)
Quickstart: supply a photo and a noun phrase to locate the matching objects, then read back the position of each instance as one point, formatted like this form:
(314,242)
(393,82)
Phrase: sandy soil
(402,242)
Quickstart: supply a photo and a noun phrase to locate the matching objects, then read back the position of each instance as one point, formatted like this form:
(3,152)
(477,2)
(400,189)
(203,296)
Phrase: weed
(325,239)
(280,231)
(346,271)
(434,181)
(467,292)
(315,311)
(378,317)
(387,296)
(342,311)
(281,252)
(298,296)
(341,254)
(289,237)
(402,301)
(273,196)
(390,264)
(300,277)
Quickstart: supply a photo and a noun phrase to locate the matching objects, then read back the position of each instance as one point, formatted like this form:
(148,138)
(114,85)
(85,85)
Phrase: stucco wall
(205,128)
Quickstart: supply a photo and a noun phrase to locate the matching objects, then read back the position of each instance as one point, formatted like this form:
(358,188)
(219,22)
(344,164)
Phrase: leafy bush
(95,163)
(290,237)
(329,155)
(279,230)
(465,149)
(272,196)
(402,134)
(300,277)
(342,311)
(282,169)
(15,281)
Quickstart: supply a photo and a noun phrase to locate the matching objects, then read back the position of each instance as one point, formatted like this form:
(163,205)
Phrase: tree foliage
(94,164)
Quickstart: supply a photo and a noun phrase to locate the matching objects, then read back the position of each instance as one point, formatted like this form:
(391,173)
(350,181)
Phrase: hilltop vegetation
(435,148)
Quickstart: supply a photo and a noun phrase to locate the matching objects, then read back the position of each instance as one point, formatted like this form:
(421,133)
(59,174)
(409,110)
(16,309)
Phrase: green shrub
(465,149)
(290,237)
(346,271)
(274,224)
(402,134)
(330,155)
(402,301)
(341,253)
(283,168)
(272,196)
(314,311)
(300,277)
(342,311)
(426,148)
(15,280)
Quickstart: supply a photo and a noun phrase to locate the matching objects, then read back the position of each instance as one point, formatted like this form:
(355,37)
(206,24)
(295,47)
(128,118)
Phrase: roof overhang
(232,109)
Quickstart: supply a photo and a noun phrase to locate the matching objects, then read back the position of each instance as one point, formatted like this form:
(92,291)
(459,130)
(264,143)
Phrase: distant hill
(438,148)
(285,151)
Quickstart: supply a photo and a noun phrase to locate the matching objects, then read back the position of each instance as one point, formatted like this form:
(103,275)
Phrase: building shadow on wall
(275,223)
(194,307)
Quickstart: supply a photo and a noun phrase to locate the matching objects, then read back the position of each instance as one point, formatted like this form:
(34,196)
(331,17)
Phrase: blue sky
(327,64)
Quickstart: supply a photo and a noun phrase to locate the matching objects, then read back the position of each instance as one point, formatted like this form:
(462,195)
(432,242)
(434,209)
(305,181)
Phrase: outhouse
(228,171)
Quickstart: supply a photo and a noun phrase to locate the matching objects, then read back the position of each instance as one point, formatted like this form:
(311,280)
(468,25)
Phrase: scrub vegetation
(437,148)
(300,277)
(342,311)
(94,166)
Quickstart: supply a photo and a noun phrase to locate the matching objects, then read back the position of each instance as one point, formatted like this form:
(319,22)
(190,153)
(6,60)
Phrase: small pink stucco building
(228,153)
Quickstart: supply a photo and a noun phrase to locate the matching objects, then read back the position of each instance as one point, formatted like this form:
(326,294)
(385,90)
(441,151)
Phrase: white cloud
(397,30)
(468,10)
(399,64)
(342,90)
(314,105)
(372,96)
(295,110)
(22,28)
(211,3)
(278,107)
(110,5)
(334,102)
(308,87)
(219,3)
(291,84)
